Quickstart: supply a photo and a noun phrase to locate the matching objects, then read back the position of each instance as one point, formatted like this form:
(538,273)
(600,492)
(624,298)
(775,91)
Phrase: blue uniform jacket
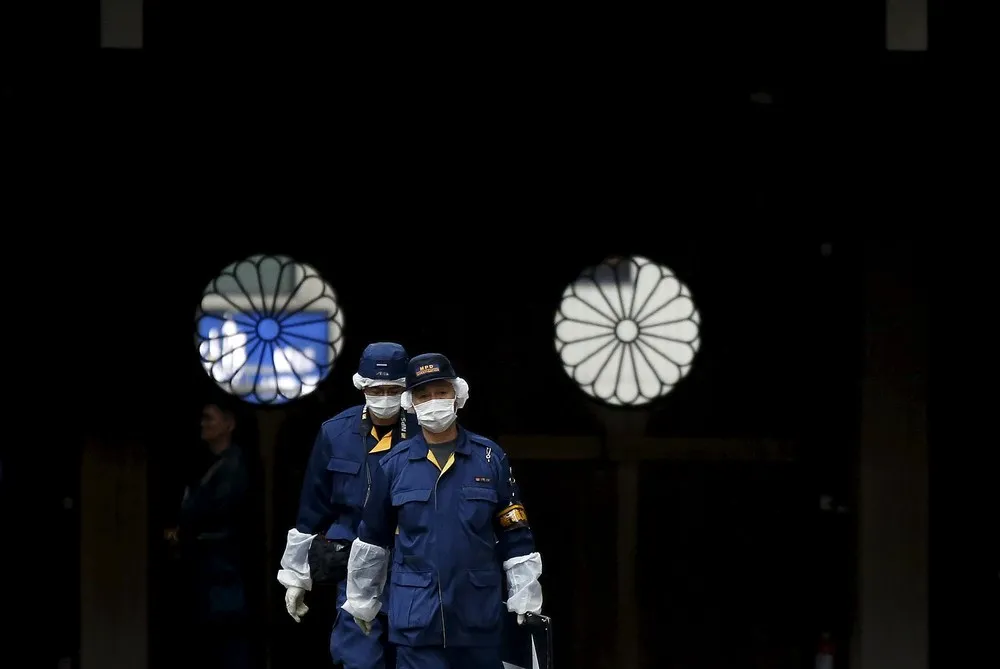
(457,522)
(340,473)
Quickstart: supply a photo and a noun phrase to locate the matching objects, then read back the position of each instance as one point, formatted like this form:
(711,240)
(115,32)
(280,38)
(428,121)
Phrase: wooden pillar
(893,502)
(625,430)
(114,596)
(269,422)
(581,566)
(628,543)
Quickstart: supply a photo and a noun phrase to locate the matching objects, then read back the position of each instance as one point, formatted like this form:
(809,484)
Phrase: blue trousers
(435,657)
(350,646)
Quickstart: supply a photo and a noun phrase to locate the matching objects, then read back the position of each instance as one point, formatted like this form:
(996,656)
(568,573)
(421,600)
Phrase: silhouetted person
(216,519)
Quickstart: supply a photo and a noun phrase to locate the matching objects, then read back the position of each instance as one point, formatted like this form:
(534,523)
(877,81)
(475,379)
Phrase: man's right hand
(294,603)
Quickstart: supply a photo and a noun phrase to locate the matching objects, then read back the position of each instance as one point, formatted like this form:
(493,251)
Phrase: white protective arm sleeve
(524,592)
(366,571)
(294,572)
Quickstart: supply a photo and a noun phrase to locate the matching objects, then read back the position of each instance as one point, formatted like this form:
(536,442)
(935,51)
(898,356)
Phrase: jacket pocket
(412,508)
(413,600)
(479,601)
(476,507)
(348,484)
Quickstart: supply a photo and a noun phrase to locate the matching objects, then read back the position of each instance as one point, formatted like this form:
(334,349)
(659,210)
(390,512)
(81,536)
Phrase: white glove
(293,603)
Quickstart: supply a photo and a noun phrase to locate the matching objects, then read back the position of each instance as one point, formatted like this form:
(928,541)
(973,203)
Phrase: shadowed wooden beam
(543,447)
(652,448)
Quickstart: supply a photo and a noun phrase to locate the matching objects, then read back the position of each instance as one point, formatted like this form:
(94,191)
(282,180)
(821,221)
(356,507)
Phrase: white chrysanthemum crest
(627,331)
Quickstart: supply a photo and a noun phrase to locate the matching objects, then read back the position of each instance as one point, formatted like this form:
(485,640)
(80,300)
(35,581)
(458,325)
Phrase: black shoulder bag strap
(328,559)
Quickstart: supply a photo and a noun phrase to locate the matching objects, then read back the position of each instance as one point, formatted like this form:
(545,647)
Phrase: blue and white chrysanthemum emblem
(269,329)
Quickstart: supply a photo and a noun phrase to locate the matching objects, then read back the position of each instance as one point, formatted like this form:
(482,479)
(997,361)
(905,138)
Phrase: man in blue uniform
(337,484)
(451,498)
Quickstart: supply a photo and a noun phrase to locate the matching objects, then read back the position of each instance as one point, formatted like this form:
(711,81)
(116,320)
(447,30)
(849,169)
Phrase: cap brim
(424,382)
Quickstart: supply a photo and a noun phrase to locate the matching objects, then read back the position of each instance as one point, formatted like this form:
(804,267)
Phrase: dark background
(481,186)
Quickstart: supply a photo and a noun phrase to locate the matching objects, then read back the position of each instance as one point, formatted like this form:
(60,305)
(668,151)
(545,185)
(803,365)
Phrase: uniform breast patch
(483,479)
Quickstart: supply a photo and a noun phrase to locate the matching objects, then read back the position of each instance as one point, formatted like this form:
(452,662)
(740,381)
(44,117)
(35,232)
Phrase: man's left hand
(365,626)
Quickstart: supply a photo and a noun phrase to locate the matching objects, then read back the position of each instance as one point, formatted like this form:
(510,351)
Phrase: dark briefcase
(527,646)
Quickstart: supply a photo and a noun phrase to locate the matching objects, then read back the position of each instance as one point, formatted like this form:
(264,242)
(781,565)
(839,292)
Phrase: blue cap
(383,361)
(428,367)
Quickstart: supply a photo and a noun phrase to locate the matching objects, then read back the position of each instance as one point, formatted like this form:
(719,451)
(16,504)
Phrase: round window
(269,329)
(627,331)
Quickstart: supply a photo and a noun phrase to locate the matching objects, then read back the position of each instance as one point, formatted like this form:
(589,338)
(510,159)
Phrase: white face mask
(383,406)
(436,415)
